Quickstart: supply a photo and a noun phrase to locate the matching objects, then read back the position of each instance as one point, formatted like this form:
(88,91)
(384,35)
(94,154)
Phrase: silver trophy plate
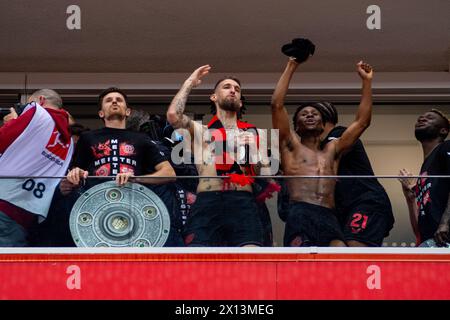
(107,215)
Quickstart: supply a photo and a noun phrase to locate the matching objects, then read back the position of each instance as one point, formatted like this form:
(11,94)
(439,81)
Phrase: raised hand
(175,112)
(198,74)
(365,70)
(300,49)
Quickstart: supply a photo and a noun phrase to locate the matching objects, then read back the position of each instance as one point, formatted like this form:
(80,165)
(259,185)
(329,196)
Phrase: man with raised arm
(225,212)
(311,220)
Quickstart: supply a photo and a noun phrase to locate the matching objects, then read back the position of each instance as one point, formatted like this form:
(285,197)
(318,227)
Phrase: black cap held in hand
(299,48)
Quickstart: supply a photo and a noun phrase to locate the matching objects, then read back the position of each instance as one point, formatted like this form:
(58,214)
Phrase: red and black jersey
(228,164)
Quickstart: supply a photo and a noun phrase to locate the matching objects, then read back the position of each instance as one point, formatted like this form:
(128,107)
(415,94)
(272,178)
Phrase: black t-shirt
(352,191)
(432,193)
(109,151)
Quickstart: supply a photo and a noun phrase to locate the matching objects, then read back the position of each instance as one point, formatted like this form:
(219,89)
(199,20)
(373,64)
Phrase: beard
(115,116)
(429,133)
(230,105)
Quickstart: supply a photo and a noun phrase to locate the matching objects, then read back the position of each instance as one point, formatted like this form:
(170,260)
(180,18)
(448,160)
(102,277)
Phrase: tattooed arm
(175,113)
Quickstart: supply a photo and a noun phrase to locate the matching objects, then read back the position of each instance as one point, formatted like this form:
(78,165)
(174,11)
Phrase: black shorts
(368,223)
(311,225)
(266,224)
(228,218)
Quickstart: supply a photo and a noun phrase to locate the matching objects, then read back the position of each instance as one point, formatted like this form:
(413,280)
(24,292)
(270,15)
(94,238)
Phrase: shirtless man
(311,220)
(223,214)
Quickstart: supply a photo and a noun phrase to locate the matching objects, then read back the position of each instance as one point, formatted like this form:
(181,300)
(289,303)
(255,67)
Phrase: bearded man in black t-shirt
(428,198)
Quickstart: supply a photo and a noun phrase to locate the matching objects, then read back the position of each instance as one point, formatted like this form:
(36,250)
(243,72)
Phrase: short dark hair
(108,91)
(227,78)
(243,108)
(445,124)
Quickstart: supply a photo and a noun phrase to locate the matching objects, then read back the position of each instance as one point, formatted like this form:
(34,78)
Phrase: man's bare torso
(298,159)
(207,168)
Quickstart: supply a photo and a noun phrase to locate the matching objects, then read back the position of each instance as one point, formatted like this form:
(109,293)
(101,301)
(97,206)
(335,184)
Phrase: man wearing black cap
(312,220)
(362,205)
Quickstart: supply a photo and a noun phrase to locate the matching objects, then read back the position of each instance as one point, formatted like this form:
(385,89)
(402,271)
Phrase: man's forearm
(283,85)
(155,178)
(175,113)
(364,114)
(413,214)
